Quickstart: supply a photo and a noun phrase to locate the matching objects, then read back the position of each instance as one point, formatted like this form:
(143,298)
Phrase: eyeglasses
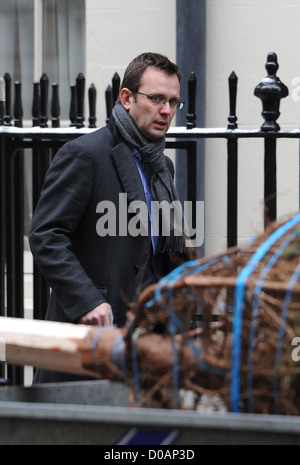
(159,100)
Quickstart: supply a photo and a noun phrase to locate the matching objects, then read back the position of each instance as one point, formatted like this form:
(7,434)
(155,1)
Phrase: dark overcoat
(82,268)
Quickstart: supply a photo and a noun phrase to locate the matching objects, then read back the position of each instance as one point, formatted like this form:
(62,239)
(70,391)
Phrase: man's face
(152,119)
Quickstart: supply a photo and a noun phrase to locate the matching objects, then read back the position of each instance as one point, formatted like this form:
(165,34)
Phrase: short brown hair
(137,67)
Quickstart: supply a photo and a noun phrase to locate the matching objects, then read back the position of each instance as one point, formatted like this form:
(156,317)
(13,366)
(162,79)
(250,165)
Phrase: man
(94,275)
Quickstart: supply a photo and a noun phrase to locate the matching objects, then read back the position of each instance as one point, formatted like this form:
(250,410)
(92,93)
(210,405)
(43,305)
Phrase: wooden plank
(48,345)
(94,351)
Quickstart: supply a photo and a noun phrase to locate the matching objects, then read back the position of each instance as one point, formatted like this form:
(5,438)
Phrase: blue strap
(118,354)
(205,366)
(273,260)
(186,269)
(175,274)
(285,308)
(238,307)
(175,364)
(94,347)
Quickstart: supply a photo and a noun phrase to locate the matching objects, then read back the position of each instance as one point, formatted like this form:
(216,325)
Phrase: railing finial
(232,119)
(36,105)
(92,105)
(80,87)
(18,107)
(191,117)
(55,106)
(271,90)
(8,83)
(44,88)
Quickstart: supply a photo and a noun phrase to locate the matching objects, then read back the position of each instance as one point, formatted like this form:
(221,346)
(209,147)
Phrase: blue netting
(243,266)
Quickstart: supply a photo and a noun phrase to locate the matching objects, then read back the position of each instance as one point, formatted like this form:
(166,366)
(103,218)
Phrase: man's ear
(126,98)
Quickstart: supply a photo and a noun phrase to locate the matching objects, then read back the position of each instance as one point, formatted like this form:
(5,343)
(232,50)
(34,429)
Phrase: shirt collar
(136,154)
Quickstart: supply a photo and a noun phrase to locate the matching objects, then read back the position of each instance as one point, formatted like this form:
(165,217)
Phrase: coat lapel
(128,172)
(130,178)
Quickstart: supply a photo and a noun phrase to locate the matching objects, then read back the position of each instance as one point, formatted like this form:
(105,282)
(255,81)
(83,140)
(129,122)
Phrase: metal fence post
(232,174)
(271,90)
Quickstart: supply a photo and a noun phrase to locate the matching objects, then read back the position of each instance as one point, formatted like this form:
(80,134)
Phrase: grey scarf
(162,186)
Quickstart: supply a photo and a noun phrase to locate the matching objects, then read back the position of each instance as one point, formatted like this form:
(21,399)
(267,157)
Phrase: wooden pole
(54,346)
(94,351)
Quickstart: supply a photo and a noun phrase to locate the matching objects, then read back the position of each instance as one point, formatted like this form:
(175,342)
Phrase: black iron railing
(44,141)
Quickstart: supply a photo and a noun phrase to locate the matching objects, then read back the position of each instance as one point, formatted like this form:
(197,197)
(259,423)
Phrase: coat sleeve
(62,204)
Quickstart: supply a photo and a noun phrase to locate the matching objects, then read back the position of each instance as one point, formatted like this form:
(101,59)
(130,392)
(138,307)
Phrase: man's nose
(166,108)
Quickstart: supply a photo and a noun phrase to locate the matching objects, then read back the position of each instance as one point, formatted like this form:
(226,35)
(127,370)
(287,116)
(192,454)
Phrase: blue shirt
(146,181)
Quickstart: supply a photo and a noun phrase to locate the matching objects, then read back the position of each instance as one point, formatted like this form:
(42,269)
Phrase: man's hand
(100,316)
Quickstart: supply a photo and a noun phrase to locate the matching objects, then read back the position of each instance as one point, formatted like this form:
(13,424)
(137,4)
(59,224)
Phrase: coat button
(136,268)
